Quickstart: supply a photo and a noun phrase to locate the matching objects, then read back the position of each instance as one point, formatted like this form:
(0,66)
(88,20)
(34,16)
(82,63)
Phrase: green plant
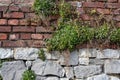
(41,54)
(45,7)
(1,77)
(115,36)
(102,32)
(28,75)
(69,36)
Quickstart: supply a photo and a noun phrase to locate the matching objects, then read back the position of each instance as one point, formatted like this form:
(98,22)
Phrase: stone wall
(82,64)
(18,27)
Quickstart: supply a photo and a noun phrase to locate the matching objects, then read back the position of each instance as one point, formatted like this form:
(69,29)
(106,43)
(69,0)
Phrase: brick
(23,22)
(101,0)
(24,2)
(25,36)
(85,17)
(3,8)
(80,10)
(113,5)
(14,8)
(3,22)
(116,11)
(0,43)
(5,1)
(5,29)
(30,15)
(0,15)
(19,43)
(103,11)
(14,15)
(37,36)
(35,43)
(25,9)
(13,22)
(47,36)
(111,1)
(43,29)
(117,18)
(23,29)
(118,24)
(93,4)
(3,36)
(14,36)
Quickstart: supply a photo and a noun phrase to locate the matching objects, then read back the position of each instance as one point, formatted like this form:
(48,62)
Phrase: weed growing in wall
(28,75)
(69,33)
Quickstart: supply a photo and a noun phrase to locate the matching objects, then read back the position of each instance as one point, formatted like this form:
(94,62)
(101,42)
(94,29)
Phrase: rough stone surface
(99,77)
(112,66)
(64,78)
(46,78)
(71,59)
(28,64)
(84,64)
(108,53)
(26,53)
(54,55)
(96,61)
(86,71)
(52,78)
(84,61)
(53,68)
(114,78)
(6,53)
(12,70)
(48,68)
(38,67)
(85,53)
(69,72)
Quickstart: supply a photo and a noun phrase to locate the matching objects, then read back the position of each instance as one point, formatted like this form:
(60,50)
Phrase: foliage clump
(69,36)
(115,36)
(69,33)
(41,54)
(45,7)
(102,32)
(28,75)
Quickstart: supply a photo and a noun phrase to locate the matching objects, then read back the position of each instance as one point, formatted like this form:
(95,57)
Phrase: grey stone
(108,53)
(99,77)
(64,78)
(71,59)
(52,78)
(69,72)
(6,53)
(114,78)
(48,68)
(84,61)
(28,64)
(112,66)
(86,71)
(26,53)
(12,70)
(38,67)
(54,55)
(40,78)
(85,53)
(53,68)
(46,78)
(96,61)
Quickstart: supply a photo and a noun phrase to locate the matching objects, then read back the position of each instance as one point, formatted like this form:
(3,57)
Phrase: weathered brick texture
(18,27)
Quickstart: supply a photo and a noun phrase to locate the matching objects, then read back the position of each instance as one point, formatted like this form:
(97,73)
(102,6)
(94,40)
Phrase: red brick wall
(17,31)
